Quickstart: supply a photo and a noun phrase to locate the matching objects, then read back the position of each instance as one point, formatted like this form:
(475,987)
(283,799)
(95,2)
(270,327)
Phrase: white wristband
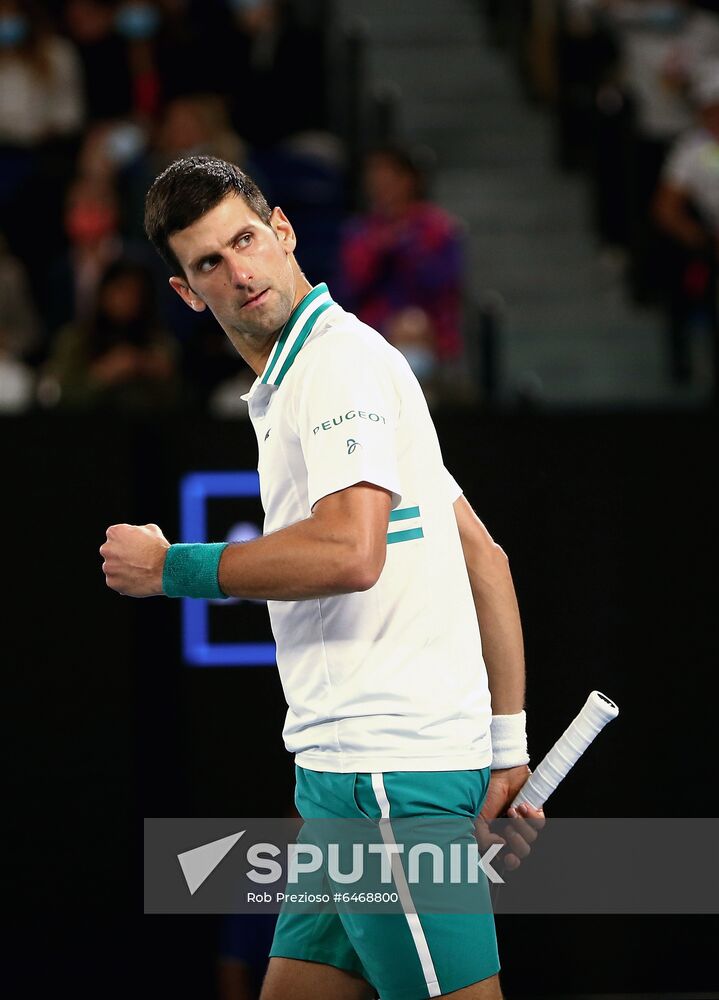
(509,740)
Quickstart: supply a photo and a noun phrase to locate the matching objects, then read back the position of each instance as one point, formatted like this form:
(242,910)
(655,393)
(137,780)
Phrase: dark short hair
(189,188)
(413,162)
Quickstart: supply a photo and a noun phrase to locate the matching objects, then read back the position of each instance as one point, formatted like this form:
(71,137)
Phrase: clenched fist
(134,557)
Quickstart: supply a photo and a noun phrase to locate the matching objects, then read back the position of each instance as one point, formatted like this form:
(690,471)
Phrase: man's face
(388,187)
(710,118)
(239,268)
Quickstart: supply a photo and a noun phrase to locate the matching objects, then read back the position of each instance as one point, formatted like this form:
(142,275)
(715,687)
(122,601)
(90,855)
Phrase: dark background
(609,524)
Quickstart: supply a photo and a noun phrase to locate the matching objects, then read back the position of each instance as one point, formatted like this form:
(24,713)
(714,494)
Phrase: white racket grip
(596,713)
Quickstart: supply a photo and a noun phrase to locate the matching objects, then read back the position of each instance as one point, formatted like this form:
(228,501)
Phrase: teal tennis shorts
(405,955)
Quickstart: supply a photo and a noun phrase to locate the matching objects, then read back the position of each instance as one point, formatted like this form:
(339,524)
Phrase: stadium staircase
(570,337)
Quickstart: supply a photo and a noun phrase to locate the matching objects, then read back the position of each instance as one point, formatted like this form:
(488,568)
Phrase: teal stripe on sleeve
(404,536)
(404,513)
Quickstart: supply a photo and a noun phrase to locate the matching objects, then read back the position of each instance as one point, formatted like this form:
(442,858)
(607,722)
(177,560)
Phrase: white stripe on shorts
(415,927)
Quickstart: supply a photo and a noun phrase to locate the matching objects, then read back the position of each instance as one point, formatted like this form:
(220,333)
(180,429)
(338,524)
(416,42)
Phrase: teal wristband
(191,570)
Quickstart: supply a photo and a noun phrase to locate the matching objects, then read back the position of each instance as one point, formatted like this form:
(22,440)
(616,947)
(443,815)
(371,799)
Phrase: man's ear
(283,230)
(186,294)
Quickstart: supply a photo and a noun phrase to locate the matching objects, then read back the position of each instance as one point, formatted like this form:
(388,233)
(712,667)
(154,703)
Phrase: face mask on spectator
(13,30)
(243,5)
(137,20)
(663,15)
(89,223)
(420,360)
(125,142)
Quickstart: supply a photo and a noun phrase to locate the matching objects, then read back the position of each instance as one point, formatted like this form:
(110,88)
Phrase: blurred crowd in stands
(635,87)
(96,98)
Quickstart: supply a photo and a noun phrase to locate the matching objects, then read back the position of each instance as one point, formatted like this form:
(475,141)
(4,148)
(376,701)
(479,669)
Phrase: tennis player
(393,610)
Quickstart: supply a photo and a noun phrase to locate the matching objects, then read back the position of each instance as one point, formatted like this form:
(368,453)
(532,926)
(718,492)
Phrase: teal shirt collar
(295,332)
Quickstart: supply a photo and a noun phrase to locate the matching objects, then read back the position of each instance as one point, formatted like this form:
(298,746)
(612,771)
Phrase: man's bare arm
(340,548)
(497,611)
(503,650)
(670,209)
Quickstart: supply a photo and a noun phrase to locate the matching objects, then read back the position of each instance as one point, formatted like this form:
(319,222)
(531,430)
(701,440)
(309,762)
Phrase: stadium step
(570,329)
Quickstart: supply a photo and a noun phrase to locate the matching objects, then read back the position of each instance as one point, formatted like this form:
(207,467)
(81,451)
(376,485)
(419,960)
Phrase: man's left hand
(134,557)
(526,821)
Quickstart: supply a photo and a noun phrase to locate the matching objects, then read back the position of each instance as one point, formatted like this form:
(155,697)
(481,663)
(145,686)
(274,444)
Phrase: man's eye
(206,265)
(244,240)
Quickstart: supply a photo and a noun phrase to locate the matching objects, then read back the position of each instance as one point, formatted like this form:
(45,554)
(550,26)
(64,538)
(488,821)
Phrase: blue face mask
(125,142)
(137,20)
(665,16)
(242,5)
(421,360)
(13,30)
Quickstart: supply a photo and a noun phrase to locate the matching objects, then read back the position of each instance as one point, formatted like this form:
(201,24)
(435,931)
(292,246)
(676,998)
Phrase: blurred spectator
(40,79)
(687,201)
(659,43)
(197,123)
(138,56)
(138,23)
(19,335)
(41,111)
(92,227)
(199,48)
(103,54)
(94,219)
(109,149)
(402,265)
(119,357)
(306,174)
(686,207)
(282,52)
(699,44)
(652,38)
(586,54)
(245,942)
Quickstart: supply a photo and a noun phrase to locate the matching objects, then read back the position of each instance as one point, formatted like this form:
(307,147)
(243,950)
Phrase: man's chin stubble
(256,338)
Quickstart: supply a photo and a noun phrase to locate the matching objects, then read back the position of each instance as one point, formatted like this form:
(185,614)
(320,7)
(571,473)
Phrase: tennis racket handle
(596,713)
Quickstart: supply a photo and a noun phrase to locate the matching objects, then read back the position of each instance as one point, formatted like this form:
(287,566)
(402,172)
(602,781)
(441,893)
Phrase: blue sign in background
(196,489)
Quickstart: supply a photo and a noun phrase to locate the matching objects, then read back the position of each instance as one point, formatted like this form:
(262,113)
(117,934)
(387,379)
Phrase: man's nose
(240,273)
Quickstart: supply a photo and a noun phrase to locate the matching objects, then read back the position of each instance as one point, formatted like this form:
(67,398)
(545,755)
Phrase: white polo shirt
(392,678)
(693,167)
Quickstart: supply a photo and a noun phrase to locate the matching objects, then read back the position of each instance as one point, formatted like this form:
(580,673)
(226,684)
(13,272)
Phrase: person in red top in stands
(402,265)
